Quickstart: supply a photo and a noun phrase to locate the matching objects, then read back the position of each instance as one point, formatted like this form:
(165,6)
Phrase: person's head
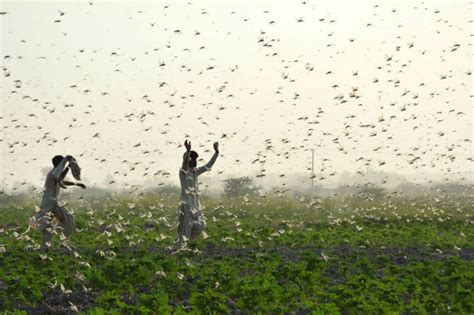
(57,159)
(193,159)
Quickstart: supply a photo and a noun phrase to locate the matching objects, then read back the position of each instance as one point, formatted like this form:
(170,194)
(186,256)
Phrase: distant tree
(410,189)
(167,189)
(240,186)
(371,192)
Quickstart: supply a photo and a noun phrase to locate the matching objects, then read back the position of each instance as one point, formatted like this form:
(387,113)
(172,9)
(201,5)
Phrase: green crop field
(264,255)
(330,144)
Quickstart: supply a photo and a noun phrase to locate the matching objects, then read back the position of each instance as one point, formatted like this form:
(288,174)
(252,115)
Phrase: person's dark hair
(57,159)
(193,158)
(193,155)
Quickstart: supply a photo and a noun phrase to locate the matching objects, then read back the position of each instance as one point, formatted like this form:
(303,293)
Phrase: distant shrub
(240,186)
(371,192)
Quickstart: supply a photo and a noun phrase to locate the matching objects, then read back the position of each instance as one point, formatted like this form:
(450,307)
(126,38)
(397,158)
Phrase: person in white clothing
(49,208)
(190,216)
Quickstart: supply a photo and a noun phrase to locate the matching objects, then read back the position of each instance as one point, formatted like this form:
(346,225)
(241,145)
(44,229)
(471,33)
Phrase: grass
(328,256)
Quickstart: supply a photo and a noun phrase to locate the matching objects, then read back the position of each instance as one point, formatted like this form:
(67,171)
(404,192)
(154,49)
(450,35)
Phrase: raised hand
(216,147)
(187,144)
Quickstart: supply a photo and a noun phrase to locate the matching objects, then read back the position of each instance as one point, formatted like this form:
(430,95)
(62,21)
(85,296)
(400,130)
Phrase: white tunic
(191,220)
(49,204)
(51,187)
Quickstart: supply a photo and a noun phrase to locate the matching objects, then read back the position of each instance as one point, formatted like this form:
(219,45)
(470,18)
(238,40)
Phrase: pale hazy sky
(120,85)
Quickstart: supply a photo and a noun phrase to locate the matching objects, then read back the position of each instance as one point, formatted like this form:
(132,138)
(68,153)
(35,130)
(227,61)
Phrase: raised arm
(62,182)
(64,173)
(185,164)
(208,165)
(65,183)
(58,170)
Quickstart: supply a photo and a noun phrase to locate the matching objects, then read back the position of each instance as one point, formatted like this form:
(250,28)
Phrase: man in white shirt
(49,207)
(191,219)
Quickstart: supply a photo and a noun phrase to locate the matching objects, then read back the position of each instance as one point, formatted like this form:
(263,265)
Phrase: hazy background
(373,87)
